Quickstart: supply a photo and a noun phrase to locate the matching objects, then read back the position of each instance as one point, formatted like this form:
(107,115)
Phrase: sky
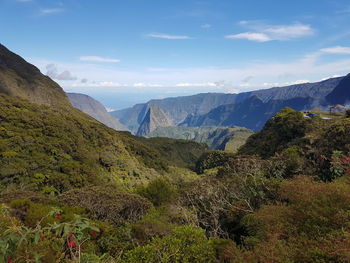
(123,52)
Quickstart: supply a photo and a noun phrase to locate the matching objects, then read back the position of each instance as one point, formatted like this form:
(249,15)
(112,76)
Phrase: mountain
(341,93)
(48,145)
(176,108)
(95,109)
(251,113)
(217,138)
(20,79)
(179,108)
(155,117)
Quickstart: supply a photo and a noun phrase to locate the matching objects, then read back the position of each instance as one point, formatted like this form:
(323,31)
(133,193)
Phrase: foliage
(56,241)
(159,191)
(212,159)
(185,245)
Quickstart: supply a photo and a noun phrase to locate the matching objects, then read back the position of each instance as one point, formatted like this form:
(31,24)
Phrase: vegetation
(73,191)
(180,153)
(51,152)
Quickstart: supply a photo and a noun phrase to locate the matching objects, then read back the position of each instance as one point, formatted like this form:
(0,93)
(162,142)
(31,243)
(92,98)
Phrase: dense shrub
(311,225)
(186,245)
(159,191)
(212,159)
(107,203)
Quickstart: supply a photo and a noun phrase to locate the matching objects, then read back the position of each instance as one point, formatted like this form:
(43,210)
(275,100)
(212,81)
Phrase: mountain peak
(18,78)
(155,117)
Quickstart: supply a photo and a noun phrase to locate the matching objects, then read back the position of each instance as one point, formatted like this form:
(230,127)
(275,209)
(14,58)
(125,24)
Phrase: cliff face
(95,109)
(251,113)
(341,93)
(155,117)
(20,79)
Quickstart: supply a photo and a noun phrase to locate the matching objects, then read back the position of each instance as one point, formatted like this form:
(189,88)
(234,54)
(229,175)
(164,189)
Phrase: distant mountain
(95,109)
(179,108)
(20,79)
(176,108)
(217,138)
(341,93)
(251,113)
(155,117)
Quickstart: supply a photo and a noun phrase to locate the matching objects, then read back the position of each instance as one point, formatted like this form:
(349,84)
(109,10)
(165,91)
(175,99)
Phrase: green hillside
(66,150)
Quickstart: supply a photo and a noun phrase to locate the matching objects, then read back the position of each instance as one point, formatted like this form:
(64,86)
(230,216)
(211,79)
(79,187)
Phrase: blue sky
(127,51)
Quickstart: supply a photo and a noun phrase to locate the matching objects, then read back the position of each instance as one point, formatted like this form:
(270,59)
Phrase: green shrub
(159,191)
(186,245)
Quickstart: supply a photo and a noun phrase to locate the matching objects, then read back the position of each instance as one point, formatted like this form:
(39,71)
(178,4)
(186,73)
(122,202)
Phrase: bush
(159,191)
(212,159)
(186,245)
(107,203)
(310,225)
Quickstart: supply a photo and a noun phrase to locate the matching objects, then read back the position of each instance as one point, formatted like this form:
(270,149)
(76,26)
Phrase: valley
(252,167)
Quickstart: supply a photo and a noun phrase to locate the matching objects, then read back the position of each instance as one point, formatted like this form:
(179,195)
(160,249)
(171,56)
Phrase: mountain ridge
(251,113)
(95,109)
(179,108)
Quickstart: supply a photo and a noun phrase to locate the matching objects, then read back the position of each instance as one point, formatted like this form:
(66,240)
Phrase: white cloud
(264,33)
(50,11)
(289,32)
(52,72)
(145,85)
(258,37)
(109,109)
(206,26)
(337,50)
(166,36)
(281,84)
(209,84)
(99,84)
(99,59)
(330,77)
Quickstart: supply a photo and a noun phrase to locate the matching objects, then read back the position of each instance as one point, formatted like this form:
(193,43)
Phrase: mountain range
(247,109)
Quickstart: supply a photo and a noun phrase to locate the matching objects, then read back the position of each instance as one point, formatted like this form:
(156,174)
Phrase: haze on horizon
(125,52)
